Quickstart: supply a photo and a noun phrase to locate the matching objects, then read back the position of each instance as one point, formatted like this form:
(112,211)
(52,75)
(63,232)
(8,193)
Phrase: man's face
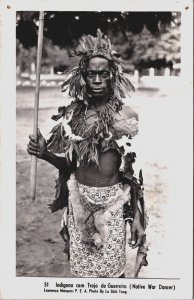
(98,81)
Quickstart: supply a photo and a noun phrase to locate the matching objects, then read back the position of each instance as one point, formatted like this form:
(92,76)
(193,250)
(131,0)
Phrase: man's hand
(137,231)
(37,148)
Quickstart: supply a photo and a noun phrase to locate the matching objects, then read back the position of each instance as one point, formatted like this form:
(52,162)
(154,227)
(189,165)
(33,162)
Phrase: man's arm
(58,162)
(39,150)
(137,230)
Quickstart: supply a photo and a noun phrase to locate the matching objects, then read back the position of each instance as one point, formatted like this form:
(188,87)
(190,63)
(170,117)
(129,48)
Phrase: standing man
(96,185)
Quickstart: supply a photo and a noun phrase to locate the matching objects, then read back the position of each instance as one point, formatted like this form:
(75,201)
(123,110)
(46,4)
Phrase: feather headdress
(89,47)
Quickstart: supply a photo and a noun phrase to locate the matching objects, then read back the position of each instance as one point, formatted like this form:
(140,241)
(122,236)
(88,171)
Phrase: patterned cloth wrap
(97,229)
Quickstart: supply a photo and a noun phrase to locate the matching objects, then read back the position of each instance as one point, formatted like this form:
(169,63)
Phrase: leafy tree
(24,57)
(145,50)
(65,28)
(144,39)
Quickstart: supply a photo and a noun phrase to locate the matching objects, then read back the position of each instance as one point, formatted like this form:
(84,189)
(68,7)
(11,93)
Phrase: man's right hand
(37,148)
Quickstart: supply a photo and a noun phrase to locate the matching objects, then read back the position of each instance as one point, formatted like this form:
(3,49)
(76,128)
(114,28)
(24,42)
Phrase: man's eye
(90,74)
(105,74)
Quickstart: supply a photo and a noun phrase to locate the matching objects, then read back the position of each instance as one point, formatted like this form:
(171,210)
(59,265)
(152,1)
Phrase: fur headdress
(89,47)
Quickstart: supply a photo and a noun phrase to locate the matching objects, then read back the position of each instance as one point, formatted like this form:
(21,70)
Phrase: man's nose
(97,79)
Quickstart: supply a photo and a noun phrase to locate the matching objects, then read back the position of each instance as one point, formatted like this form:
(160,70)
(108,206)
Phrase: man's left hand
(137,231)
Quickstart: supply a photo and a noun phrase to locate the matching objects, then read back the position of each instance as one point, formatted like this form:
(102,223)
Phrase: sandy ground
(39,246)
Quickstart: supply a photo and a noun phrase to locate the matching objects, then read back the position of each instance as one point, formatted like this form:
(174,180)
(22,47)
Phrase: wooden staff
(33,170)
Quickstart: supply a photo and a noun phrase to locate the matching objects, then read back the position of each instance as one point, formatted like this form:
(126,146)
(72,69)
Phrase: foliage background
(144,39)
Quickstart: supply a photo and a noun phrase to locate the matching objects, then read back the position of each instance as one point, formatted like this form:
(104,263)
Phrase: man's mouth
(97,89)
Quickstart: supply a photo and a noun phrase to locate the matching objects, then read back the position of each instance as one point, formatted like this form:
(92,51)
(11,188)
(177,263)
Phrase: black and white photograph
(101,196)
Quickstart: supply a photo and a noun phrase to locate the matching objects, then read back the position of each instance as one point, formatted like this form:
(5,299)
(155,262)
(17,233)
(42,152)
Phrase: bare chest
(105,174)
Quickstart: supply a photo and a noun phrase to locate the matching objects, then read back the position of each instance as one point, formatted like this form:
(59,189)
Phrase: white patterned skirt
(85,259)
